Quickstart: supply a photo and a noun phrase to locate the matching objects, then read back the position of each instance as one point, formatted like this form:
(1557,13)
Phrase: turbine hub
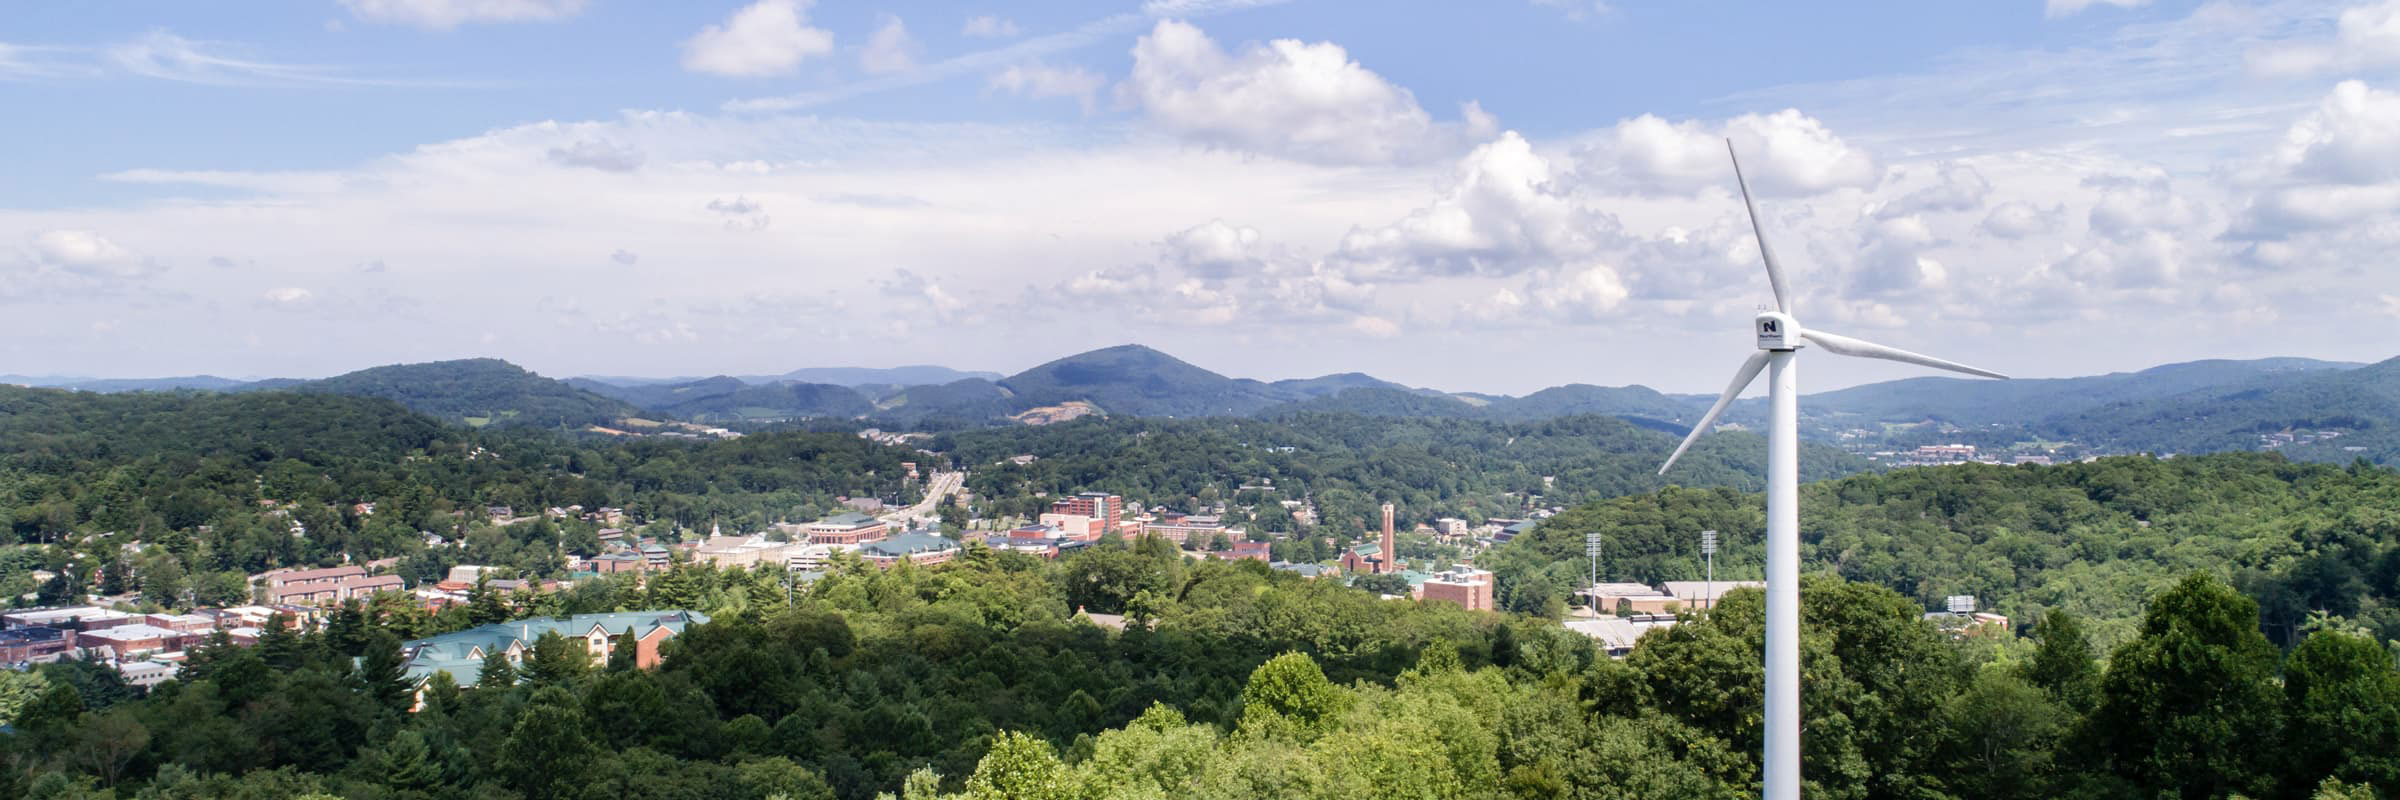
(1776,331)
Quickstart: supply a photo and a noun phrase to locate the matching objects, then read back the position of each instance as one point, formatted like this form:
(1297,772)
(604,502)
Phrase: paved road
(937,489)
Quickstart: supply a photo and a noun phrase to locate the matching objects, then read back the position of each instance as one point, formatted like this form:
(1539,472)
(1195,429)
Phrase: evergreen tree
(497,673)
(346,630)
(383,671)
(485,605)
(280,646)
(556,660)
(624,652)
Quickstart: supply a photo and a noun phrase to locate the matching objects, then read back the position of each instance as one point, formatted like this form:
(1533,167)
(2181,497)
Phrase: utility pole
(1708,547)
(1591,547)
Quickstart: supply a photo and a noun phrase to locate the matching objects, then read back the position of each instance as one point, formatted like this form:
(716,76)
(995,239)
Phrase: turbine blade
(1783,297)
(1741,380)
(1844,345)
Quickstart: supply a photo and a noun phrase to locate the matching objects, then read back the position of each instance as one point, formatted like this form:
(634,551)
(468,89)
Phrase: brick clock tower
(1391,555)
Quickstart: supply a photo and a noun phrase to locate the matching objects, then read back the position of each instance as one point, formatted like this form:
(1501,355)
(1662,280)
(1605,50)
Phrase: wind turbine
(1780,338)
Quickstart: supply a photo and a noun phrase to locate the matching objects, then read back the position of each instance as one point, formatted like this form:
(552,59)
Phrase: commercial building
(147,674)
(127,641)
(74,618)
(1629,598)
(915,547)
(35,645)
(1190,529)
(845,528)
(741,552)
(1697,595)
(1618,635)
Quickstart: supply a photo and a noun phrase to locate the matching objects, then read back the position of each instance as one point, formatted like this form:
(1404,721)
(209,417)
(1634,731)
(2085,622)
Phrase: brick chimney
(1391,556)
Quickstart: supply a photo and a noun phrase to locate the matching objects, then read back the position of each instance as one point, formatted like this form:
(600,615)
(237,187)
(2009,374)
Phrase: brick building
(1466,586)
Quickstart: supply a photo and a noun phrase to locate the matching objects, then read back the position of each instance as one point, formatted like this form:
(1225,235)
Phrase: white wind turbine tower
(1780,338)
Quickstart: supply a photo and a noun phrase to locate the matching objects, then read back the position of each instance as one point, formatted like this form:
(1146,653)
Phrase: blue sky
(1486,196)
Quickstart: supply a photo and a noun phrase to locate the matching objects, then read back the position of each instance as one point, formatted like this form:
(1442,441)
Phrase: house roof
(910,543)
(848,519)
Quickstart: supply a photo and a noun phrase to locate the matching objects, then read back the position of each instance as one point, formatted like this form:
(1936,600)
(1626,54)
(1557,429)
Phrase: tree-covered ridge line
(2192,407)
(2098,539)
(979,679)
(1348,465)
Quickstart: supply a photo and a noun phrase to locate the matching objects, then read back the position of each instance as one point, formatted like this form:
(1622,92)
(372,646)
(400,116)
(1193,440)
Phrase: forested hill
(1348,465)
(219,481)
(54,430)
(727,399)
(1136,380)
(2099,539)
(476,391)
(2026,401)
(2364,403)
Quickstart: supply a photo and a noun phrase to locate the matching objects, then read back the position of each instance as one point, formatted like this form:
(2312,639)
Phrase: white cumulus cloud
(1504,213)
(890,49)
(2365,37)
(2337,165)
(1783,152)
(1285,97)
(769,37)
(288,297)
(88,253)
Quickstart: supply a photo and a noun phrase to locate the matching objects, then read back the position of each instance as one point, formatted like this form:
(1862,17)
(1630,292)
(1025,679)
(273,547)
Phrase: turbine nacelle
(1777,331)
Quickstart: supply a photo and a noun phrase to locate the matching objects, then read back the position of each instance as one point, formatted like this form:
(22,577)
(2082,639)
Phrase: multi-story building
(76,618)
(318,591)
(1466,586)
(1188,529)
(182,623)
(461,654)
(1086,516)
(127,641)
(35,644)
(845,528)
(740,552)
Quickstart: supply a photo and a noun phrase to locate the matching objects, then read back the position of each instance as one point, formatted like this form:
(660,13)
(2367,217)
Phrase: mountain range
(2195,406)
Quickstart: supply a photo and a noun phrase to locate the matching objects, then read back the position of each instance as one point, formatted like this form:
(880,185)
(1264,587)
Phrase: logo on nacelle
(1772,328)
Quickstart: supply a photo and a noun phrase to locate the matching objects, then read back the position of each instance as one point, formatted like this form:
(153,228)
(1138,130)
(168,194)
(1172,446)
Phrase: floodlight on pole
(1779,338)
(1591,547)
(1708,549)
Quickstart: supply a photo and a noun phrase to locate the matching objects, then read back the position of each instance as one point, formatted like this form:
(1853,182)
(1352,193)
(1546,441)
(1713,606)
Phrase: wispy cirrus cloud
(1028,50)
(161,54)
(442,15)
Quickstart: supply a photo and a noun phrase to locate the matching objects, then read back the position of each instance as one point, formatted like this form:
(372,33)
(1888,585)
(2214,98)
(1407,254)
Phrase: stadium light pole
(1708,550)
(1591,547)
